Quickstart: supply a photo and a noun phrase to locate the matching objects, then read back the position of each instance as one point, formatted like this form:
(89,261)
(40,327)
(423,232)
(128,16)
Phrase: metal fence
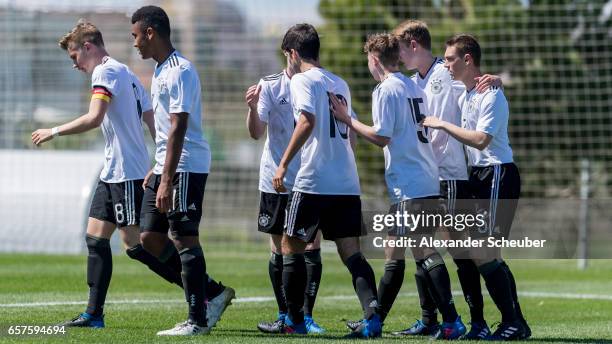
(555,58)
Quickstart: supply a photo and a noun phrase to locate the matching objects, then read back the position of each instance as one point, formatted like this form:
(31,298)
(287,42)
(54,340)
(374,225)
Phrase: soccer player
(493,176)
(175,186)
(270,107)
(443,102)
(411,173)
(326,192)
(118,104)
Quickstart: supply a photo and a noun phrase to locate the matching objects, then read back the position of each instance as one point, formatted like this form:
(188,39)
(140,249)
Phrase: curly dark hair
(153,17)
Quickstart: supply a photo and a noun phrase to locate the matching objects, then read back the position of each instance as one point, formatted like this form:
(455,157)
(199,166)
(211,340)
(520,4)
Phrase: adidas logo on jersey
(301,231)
(283,101)
(192,207)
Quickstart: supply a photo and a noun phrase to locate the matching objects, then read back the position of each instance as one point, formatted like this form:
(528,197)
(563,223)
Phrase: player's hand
(41,135)
(339,109)
(433,122)
(163,198)
(252,96)
(146,179)
(277,181)
(485,81)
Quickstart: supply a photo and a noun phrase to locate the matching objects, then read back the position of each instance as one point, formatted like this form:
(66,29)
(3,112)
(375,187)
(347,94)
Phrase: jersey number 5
(333,124)
(417,117)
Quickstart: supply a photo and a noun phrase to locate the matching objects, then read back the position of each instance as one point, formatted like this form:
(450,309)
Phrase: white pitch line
(255,299)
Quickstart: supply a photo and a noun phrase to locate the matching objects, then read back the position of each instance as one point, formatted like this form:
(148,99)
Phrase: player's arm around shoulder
(493,112)
(486,81)
(478,138)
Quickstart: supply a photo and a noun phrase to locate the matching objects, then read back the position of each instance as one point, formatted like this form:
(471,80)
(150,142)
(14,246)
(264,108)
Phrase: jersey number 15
(417,117)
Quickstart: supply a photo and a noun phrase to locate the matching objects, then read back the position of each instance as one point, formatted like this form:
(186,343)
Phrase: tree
(550,53)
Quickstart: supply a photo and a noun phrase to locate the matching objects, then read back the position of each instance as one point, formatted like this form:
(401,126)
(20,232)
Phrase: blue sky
(257,11)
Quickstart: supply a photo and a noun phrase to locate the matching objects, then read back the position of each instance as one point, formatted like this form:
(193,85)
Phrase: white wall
(44,199)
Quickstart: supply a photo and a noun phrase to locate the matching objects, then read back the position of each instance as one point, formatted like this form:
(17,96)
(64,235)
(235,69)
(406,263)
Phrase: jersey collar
(174,52)
(435,61)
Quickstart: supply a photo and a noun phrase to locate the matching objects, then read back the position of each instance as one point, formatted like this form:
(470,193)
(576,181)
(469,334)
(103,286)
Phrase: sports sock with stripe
(439,282)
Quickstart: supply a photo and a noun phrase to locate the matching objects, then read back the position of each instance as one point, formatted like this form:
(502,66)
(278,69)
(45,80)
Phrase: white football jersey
(487,112)
(398,106)
(328,162)
(274,109)
(443,100)
(176,88)
(124,145)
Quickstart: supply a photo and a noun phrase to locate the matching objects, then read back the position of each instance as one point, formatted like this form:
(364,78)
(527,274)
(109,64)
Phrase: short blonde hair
(414,30)
(84,31)
(385,47)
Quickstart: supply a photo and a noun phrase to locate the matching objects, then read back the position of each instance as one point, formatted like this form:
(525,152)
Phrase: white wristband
(55,131)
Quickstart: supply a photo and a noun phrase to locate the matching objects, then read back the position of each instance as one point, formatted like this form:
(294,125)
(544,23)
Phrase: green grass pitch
(562,304)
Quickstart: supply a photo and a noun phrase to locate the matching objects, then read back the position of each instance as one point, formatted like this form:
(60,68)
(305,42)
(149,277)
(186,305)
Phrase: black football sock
(294,284)
(364,283)
(193,274)
(99,271)
(441,287)
(171,258)
(213,289)
(498,285)
(517,306)
(469,278)
(390,285)
(275,270)
(429,314)
(164,270)
(314,269)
